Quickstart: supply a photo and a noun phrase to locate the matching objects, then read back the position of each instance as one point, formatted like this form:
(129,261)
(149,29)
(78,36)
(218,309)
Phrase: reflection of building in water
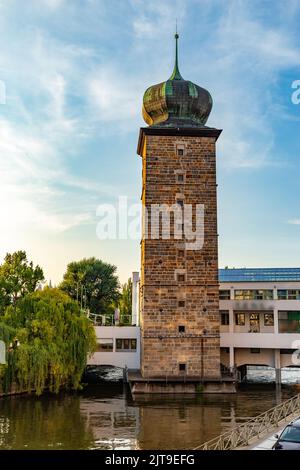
(112,421)
(181,425)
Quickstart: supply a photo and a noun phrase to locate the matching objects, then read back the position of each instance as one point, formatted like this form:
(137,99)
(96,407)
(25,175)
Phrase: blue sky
(75,72)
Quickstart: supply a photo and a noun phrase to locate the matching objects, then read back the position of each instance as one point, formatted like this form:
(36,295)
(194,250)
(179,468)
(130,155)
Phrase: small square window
(225,350)
(180,202)
(182,367)
(180,152)
(181,329)
(180,178)
(255,350)
(180,277)
(181,303)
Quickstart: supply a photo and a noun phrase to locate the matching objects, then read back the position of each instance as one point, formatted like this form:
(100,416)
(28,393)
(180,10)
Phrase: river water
(104,416)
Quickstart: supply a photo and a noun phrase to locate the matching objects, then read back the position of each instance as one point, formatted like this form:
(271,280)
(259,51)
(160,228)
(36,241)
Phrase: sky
(72,78)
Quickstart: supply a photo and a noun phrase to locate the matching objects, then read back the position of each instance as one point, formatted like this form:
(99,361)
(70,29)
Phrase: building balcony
(262,340)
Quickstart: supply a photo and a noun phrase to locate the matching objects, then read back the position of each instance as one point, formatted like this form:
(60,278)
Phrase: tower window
(180,277)
(180,178)
(181,329)
(181,303)
(180,202)
(255,350)
(180,149)
(182,367)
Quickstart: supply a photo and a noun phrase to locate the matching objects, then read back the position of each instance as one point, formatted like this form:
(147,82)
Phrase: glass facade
(254,323)
(224,314)
(269,319)
(125,344)
(224,294)
(259,274)
(240,319)
(253,294)
(289,322)
(105,345)
(288,294)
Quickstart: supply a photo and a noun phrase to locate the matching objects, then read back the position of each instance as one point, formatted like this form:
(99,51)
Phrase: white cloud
(34,185)
(294,221)
(52,4)
(242,63)
(115,97)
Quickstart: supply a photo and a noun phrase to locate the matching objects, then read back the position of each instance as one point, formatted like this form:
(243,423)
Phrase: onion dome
(176,102)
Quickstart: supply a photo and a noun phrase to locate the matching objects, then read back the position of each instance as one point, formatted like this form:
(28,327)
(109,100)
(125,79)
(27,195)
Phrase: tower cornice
(176,131)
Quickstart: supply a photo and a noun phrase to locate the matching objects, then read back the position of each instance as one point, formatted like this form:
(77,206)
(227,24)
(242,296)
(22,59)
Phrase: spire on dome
(176,74)
(176,102)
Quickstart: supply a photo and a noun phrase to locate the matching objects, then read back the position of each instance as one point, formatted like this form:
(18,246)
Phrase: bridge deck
(266,443)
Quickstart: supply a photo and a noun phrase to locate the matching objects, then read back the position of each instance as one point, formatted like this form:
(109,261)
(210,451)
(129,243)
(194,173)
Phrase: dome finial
(176,74)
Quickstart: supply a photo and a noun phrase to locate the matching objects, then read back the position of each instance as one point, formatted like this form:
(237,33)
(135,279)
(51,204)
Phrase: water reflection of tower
(179,422)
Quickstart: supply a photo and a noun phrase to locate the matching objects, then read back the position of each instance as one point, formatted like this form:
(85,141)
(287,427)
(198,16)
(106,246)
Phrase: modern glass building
(260,317)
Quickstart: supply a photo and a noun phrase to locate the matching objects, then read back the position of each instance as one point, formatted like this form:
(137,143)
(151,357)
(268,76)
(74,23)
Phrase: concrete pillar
(2,353)
(135,298)
(275,312)
(231,358)
(277,366)
(231,321)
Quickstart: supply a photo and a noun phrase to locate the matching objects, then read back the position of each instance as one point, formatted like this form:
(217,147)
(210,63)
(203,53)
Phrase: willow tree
(48,341)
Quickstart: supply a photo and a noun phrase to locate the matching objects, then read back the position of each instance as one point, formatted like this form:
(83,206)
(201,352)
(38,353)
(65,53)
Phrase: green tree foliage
(125,301)
(18,277)
(93,281)
(54,337)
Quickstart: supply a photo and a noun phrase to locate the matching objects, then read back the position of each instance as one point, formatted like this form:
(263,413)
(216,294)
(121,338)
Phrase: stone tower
(179,274)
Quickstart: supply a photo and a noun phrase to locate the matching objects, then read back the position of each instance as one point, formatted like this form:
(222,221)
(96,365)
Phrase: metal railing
(108,320)
(255,428)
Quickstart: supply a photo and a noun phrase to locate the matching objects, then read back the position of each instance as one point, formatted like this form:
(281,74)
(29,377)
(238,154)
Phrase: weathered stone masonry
(168,300)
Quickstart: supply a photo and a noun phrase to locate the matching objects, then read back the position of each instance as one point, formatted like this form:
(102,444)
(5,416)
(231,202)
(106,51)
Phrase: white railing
(108,320)
(255,428)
